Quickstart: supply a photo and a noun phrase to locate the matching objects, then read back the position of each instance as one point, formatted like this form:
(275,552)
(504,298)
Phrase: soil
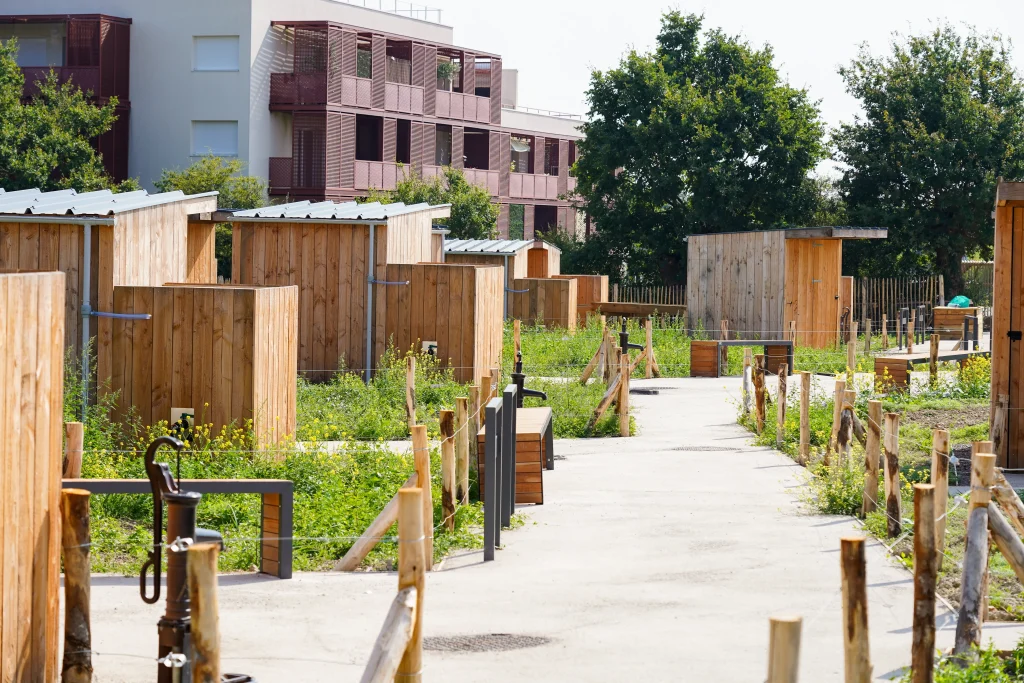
(949,418)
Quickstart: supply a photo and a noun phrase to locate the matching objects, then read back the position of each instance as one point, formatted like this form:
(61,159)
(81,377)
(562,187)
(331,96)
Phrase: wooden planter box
(703,358)
(774,357)
(531,455)
(551,303)
(31,384)
(224,353)
(949,322)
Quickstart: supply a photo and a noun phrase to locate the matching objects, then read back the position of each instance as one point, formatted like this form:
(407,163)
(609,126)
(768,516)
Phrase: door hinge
(1014,335)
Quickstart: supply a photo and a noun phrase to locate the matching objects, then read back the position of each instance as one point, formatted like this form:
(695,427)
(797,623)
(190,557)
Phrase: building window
(215,53)
(399,62)
(39,45)
(516,221)
(364,57)
(403,142)
(369,138)
(522,156)
(215,137)
(545,219)
(483,77)
(443,146)
(476,148)
(551,157)
(449,63)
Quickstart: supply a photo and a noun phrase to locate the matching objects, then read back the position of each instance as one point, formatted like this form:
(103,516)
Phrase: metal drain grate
(484,642)
(702,448)
(645,391)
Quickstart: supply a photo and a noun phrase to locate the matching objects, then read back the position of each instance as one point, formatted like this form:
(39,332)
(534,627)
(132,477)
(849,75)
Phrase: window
(215,53)
(516,221)
(399,62)
(449,71)
(369,138)
(522,158)
(403,143)
(443,146)
(215,137)
(545,219)
(364,57)
(551,157)
(476,148)
(483,77)
(38,44)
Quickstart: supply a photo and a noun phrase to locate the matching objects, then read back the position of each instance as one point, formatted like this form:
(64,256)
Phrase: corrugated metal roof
(341,211)
(498,247)
(35,202)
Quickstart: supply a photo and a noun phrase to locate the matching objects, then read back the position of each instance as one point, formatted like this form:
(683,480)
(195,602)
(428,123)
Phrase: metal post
(491,476)
(967,333)
(369,304)
(86,287)
(508,454)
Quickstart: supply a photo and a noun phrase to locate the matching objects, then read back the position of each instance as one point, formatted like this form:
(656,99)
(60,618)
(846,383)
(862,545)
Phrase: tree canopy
(45,141)
(473,214)
(701,135)
(943,119)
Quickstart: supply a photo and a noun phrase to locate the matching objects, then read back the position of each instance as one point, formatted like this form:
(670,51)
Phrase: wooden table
(535,452)
(899,366)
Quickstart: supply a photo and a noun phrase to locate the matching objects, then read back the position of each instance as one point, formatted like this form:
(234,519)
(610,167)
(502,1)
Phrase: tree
(473,214)
(212,173)
(45,142)
(702,135)
(943,119)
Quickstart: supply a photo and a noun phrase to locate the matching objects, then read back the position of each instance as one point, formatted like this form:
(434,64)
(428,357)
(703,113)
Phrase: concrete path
(658,557)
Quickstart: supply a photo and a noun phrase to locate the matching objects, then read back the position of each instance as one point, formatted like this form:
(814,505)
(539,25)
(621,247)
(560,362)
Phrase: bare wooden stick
(623,407)
(856,645)
(648,349)
(595,361)
(940,480)
(610,396)
(1011,503)
(447,427)
(748,389)
(925,573)
(1007,541)
(783,649)
(76,540)
(851,354)
(872,455)
(474,428)
(74,437)
(462,450)
(885,332)
(933,360)
(410,390)
(412,568)
(844,438)
(205,625)
(724,350)
(805,417)
(393,639)
(892,474)
(910,335)
(371,537)
(976,448)
(867,336)
(517,345)
(759,391)
(837,414)
(780,422)
(421,457)
(968,626)
(998,430)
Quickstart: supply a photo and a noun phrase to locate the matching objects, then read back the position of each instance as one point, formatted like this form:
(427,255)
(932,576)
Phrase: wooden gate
(1007,418)
(813,269)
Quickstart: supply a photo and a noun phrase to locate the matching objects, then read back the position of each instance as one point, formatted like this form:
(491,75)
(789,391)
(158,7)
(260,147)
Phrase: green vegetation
(984,666)
(473,215)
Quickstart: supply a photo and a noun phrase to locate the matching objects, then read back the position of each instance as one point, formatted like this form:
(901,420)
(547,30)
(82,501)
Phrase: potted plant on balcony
(446,72)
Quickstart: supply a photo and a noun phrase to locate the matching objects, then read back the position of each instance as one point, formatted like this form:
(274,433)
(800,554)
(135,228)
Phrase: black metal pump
(519,379)
(624,342)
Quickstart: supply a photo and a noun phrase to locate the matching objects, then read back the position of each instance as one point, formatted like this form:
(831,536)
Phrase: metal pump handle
(161,482)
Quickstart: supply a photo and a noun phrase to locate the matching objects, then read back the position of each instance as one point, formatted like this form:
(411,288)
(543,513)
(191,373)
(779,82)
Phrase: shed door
(1015,416)
(812,290)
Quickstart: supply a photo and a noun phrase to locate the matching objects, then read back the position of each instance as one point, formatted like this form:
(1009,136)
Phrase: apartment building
(324,98)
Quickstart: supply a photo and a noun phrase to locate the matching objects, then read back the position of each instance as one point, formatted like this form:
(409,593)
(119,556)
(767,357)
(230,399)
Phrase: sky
(556,43)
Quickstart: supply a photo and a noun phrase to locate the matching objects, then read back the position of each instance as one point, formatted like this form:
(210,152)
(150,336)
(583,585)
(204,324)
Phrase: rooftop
(400,7)
(101,203)
(817,232)
(498,247)
(342,212)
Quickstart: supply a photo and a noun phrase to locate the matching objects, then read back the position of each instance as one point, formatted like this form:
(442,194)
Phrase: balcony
(298,89)
(532,186)
(85,77)
(280,173)
(379,175)
(457,105)
(407,99)
(474,176)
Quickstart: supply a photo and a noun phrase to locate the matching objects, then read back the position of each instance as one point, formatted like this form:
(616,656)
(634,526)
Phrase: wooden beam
(369,539)
(393,638)
(634,310)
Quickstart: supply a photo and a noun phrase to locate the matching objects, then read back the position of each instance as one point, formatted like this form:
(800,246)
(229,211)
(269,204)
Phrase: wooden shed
(543,260)
(223,353)
(31,384)
(512,255)
(759,281)
(336,254)
(591,292)
(545,301)
(100,240)
(1007,419)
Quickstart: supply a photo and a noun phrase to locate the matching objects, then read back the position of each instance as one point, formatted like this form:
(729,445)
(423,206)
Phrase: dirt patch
(957,418)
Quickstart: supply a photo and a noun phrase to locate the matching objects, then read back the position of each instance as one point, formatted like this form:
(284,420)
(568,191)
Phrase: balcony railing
(532,186)
(457,105)
(403,98)
(379,175)
(474,176)
(85,77)
(298,89)
(280,173)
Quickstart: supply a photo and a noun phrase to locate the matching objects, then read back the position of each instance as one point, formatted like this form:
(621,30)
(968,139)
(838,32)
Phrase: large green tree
(701,135)
(943,119)
(45,141)
(473,214)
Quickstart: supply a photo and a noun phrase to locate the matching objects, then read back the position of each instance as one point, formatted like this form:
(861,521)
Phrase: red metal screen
(348,150)
(429,82)
(334,127)
(468,74)
(495,91)
(379,46)
(309,150)
(390,135)
(458,148)
(504,162)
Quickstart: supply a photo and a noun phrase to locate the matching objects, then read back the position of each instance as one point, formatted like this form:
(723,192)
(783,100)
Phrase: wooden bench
(705,356)
(900,366)
(276,518)
(535,452)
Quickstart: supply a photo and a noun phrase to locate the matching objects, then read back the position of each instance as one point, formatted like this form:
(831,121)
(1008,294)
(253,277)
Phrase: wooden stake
(872,455)
(997,432)
(844,438)
(517,345)
(783,649)
(976,448)
(76,540)
(837,414)
(410,390)
(1011,503)
(940,480)
(462,450)
(885,332)
(393,638)
(596,363)
(892,474)
(412,568)
(748,389)
(933,360)
(805,417)
(968,626)
(910,335)
(474,428)
(651,366)
(421,456)
(856,647)
(1007,541)
(447,427)
(74,437)
(780,427)
(623,407)
(759,391)
(851,354)
(792,331)
(724,350)
(926,570)
(867,336)
(371,537)
(202,591)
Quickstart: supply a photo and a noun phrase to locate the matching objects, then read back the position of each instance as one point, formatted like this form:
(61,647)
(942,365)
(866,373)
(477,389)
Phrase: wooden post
(421,456)
(837,414)
(202,591)
(517,345)
(462,450)
(448,469)
(872,454)
(76,540)
(867,336)
(844,438)
(805,417)
(759,391)
(933,360)
(780,427)
(926,570)
(74,436)
(792,331)
(851,354)
(910,334)
(997,432)
(412,567)
(623,403)
(369,539)
(748,390)
(783,649)
(649,362)
(968,625)
(611,363)
(856,647)
(885,332)
(940,480)
(474,427)
(392,640)
(1007,540)
(1010,501)
(892,474)
(976,448)
(410,390)
(724,350)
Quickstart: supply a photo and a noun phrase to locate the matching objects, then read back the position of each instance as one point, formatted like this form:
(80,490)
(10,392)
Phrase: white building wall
(539,123)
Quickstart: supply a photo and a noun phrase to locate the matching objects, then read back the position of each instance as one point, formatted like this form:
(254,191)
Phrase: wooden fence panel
(874,297)
(31,421)
(548,302)
(591,292)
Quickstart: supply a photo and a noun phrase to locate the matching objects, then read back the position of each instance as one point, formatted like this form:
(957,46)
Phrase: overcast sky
(556,43)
